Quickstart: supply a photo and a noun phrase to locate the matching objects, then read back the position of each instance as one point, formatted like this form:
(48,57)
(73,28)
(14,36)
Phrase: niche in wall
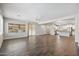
(15,28)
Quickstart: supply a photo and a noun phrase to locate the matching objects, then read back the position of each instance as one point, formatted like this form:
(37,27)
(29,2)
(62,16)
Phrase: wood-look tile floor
(43,45)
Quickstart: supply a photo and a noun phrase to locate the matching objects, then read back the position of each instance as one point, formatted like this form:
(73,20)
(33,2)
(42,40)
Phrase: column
(1,30)
(77,29)
(52,30)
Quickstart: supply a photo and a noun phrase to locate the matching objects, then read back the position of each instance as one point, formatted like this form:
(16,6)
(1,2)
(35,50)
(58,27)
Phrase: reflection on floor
(39,46)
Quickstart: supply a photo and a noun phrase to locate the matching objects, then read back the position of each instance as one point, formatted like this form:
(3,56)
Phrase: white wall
(1,24)
(52,30)
(40,29)
(13,35)
(1,29)
(77,29)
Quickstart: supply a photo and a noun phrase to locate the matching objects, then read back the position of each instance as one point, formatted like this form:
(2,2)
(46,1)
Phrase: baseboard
(15,38)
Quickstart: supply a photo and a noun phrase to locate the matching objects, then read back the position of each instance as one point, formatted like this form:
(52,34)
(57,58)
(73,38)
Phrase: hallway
(39,45)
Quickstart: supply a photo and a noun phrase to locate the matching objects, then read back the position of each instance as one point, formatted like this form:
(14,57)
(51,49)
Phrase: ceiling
(38,11)
(65,22)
